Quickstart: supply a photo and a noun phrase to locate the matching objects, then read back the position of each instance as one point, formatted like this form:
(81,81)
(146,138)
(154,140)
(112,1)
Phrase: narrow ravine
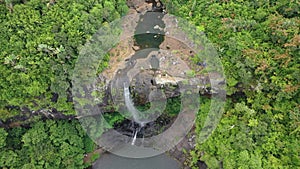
(145,43)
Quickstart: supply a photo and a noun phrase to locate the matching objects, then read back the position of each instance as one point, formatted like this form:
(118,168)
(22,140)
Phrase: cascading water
(130,106)
(147,43)
(134,112)
(134,137)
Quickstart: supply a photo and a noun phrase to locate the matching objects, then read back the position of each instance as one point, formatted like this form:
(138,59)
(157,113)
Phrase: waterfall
(130,106)
(134,112)
(134,137)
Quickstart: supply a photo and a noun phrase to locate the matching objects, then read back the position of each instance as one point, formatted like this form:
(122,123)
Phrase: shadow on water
(111,161)
(152,24)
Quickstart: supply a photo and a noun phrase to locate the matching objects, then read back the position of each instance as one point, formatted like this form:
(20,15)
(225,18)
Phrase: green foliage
(113,118)
(89,144)
(3,135)
(190,73)
(6,113)
(49,144)
(258,43)
(94,126)
(40,42)
(173,106)
(95,156)
(14,139)
(104,63)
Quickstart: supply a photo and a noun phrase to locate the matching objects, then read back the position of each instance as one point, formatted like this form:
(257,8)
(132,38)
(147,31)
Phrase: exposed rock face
(27,115)
(142,85)
(174,69)
(148,80)
(139,6)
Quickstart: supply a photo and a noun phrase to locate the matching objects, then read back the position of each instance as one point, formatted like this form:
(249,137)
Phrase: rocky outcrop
(25,118)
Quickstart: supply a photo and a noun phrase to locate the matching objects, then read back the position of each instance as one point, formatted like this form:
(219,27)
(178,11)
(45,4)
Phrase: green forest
(258,42)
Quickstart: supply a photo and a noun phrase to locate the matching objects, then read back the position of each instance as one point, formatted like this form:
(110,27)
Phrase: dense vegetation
(40,41)
(258,42)
(50,144)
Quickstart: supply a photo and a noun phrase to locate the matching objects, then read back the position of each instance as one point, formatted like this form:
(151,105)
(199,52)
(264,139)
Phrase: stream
(148,36)
(146,43)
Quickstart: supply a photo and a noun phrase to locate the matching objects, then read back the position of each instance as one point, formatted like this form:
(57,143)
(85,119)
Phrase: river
(147,42)
(111,161)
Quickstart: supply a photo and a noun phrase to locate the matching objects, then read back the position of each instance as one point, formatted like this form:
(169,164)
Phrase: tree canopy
(40,41)
(49,144)
(258,43)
